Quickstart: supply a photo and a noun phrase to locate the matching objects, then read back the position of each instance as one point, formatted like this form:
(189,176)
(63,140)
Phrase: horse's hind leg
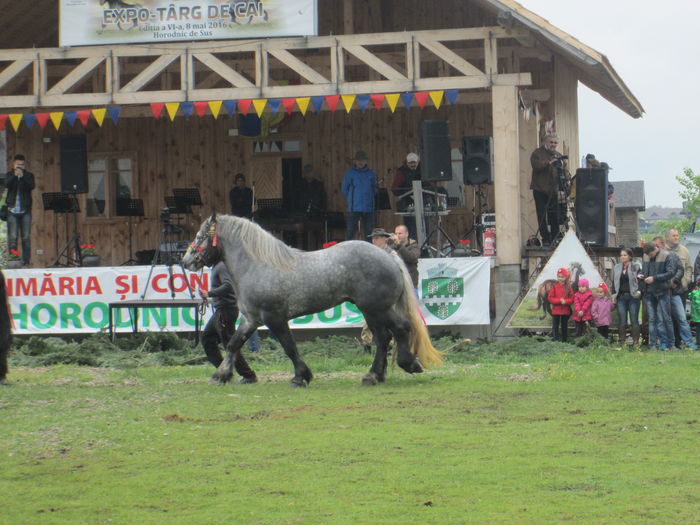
(302,374)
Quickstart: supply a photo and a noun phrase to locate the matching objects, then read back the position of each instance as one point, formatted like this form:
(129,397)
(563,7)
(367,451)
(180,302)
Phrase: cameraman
(19,184)
(549,187)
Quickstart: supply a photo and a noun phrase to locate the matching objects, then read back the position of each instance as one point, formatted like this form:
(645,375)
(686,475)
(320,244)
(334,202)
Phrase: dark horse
(275,283)
(5,329)
(575,272)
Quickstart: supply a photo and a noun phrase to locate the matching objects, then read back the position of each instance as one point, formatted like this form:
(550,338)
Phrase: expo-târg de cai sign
(94,22)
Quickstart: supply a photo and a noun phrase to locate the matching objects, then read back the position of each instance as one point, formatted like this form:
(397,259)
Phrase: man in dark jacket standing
(241,198)
(19,184)
(359,187)
(408,250)
(547,188)
(222,324)
(658,270)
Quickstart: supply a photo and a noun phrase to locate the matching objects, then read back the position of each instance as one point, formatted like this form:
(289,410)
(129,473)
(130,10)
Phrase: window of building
(111,180)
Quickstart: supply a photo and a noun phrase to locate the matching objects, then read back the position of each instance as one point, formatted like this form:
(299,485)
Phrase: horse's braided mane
(258,244)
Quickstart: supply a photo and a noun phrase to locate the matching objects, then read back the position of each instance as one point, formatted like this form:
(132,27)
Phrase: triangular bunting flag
(156,108)
(436,97)
(15,119)
(200,108)
(171,108)
(377,100)
(71,117)
(348,101)
(332,101)
(114,114)
(274,104)
(317,103)
(215,107)
(3,120)
(451,95)
(392,99)
(421,98)
(29,119)
(56,118)
(42,119)
(230,107)
(99,115)
(244,105)
(303,104)
(259,105)
(363,102)
(187,108)
(288,104)
(84,116)
(407,99)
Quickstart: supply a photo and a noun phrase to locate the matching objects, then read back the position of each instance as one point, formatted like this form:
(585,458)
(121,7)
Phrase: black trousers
(560,327)
(219,330)
(580,328)
(604,331)
(547,207)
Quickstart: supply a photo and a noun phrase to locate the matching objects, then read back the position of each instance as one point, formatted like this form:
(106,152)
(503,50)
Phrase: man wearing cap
(314,196)
(359,186)
(380,238)
(402,184)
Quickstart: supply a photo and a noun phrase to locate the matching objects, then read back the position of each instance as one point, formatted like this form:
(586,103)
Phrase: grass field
(519,432)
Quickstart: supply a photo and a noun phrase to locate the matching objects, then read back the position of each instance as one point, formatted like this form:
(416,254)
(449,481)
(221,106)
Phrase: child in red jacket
(583,300)
(561,296)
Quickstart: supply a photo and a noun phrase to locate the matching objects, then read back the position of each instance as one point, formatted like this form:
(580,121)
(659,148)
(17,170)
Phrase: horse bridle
(210,253)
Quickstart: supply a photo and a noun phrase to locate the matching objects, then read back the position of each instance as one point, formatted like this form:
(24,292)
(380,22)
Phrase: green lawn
(526,432)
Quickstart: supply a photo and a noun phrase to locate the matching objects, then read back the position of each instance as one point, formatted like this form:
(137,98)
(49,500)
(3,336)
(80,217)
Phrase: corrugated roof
(595,70)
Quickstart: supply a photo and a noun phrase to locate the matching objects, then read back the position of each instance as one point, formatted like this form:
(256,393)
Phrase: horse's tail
(419,342)
(539,300)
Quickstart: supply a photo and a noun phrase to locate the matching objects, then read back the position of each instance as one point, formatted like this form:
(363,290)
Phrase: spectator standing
(679,286)
(658,270)
(19,184)
(583,300)
(561,297)
(359,187)
(241,198)
(694,297)
(601,310)
(627,295)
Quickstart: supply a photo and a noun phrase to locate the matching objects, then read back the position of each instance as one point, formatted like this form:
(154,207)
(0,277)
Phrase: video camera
(559,161)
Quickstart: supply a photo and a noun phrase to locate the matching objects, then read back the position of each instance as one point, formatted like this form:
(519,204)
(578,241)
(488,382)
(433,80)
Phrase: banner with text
(94,22)
(76,300)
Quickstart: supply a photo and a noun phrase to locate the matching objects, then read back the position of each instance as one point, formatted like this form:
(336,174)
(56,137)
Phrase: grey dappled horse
(275,283)
(5,329)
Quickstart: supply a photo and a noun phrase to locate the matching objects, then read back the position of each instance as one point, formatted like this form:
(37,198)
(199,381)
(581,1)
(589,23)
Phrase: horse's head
(205,249)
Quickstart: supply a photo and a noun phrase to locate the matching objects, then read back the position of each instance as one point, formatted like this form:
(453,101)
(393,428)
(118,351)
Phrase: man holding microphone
(19,184)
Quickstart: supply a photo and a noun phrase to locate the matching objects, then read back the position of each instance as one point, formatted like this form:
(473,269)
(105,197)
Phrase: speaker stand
(73,243)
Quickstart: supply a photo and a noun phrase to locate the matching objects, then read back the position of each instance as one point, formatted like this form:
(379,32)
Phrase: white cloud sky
(653,47)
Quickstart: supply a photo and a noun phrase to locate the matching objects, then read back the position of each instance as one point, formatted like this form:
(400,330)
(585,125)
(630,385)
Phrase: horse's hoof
(369,380)
(299,383)
(248,380)
(220,379)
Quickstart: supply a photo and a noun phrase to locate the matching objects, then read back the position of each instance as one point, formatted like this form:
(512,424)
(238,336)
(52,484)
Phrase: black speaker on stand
(592,205)
(477,160)
(435,158)
(74,180)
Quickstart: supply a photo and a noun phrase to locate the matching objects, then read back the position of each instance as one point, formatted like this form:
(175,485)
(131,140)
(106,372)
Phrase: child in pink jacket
(583,300)
(601,310)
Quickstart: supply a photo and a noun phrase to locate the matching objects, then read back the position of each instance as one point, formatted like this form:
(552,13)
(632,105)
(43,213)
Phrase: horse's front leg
(382,337)
(302,374)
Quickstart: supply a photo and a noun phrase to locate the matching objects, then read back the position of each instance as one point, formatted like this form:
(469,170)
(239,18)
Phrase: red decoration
(422,98)
(157,108)
(84,116)
(42,119)
(201,108)
(377,100)
(3,119)
(332,101)
(465,242)
(329,244)
(288,104)
(244,105)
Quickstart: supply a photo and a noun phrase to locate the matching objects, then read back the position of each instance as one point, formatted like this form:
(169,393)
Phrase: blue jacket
(359,187)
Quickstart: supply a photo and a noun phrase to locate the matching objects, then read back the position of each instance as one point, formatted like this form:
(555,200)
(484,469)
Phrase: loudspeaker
(435,161)
(592,205)
(73,160)
(477,160)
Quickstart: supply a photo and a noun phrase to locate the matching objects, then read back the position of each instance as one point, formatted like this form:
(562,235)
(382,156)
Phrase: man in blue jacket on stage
(359,187)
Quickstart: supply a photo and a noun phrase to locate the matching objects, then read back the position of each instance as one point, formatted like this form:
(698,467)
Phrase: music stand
(189,196)
(130,208)
(68,203)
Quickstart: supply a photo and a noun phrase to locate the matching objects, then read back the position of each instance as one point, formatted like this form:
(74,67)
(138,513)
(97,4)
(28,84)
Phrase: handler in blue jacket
(359,187)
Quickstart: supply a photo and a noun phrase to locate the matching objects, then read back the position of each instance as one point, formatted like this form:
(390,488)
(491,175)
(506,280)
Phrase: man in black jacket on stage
(19,184)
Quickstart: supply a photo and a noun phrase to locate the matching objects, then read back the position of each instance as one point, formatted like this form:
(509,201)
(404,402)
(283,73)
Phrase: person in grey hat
(380,238)
(359,187)
(402,187)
